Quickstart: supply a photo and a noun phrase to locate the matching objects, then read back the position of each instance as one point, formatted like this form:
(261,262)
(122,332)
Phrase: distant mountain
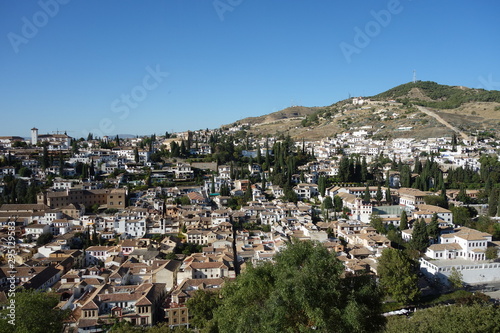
(289,113)
(390,114)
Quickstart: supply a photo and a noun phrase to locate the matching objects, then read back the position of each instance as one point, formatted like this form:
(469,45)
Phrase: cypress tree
(366,196)
(433,227)
(379,196)
(45,157)
(388,196)
(61,164)
(420,237)
(498,205)
(403,222)
(418,166)
(493,202)
(136,155)
(364,170)
(268,160)
(344,169)
(322,185)
(212,185)
(259,155)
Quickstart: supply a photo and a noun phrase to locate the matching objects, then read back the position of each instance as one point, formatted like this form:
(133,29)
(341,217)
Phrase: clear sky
(143,67)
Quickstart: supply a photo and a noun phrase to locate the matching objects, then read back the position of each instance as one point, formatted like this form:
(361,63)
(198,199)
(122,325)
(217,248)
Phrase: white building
(463,251)
(360,210)
(130,227)
(94,254)
(427,211)
(306,191)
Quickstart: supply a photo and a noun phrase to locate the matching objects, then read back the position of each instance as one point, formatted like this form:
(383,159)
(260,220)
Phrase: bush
(111,211)
(44,238)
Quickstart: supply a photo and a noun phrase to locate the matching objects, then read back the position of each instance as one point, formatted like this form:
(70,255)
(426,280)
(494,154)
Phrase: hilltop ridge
(389,114)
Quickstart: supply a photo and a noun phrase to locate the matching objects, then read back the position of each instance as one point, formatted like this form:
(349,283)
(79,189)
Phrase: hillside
(291,113)
(434,95)
(391,114)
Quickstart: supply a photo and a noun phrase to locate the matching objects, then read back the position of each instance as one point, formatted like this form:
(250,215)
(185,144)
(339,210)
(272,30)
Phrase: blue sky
(143,67)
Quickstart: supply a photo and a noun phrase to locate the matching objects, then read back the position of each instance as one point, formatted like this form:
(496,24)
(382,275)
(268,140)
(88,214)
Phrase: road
(444,122)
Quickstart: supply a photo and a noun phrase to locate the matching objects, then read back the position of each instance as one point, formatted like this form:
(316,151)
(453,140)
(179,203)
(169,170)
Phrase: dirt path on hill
(444,122)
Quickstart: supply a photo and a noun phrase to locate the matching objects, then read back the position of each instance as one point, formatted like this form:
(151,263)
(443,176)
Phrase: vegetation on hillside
(438,95)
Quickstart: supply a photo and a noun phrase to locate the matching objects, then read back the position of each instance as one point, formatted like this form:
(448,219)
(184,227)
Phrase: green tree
(403,221)
(202,306)
(337,203)
(94,208)
(462,195)
(388,196)
(25,172)
(136,155)
(61,164)
(448,318)
(44,238)
(491,253)
(248,196)
(418,166)
(379,196)
(377,223)
(328,203)
(444,197)
(436,200)
(34,313)
(21,190)
(322,185)
(405,175)
(364,170)
(366,196)
(74,147)
(45,157)
(455,279)
(493,202)
(212,185)
(419,238)
(398,276)
(259,155)
(344,172)
(302,291)
(461,216)
(433,227)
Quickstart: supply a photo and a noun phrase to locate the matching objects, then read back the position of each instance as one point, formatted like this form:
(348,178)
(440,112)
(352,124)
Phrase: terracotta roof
(442,247)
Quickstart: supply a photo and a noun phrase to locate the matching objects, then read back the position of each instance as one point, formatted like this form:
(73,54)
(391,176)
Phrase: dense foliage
(443,96)
(398,275)
(34,313)
(477,318)
(303,290)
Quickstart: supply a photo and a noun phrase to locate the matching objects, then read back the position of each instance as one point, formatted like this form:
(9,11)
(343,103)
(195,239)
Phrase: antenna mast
(414,76)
